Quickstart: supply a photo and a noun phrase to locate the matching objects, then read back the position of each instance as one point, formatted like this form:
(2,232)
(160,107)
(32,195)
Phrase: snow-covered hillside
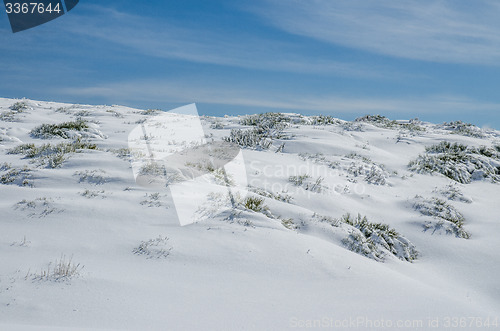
(371,224)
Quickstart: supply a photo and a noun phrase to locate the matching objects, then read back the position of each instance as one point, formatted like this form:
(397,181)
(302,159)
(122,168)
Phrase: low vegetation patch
(464,129)
(453,192)
(413,125)
(267,127)
(307,183)
(372,172)
(255,204)
(60,270)
(459,162)
(374,240)
(62,130)
(283,196)
(154,248)
(96,177)
(251,138)
(51,155)
(40,207)
(16,176)
(320,120)
(12,114)
(445,217)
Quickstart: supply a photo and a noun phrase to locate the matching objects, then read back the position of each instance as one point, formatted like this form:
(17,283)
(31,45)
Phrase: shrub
(320,120)
(447,217)
(152,200)
(154,248)
(299,179)
(459,162)
(40,207)
(15,109)
(93,194)
(266,120)
(289,224)
(413,125)
(50,155)
(61,270)
(17,176)
(254,203)
(59,130)
(372,172)
(452,192)
(464,129)
(96,177)
(307,184)
(372,239)
(252,138)
(19,107)
(267,127)
(150,112)
(283,197)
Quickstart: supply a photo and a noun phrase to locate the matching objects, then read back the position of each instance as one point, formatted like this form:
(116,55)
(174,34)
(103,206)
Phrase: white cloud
(158,91)
(151,37)
(442,31)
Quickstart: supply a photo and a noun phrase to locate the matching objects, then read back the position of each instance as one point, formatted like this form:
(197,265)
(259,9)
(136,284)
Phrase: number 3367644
(31,8)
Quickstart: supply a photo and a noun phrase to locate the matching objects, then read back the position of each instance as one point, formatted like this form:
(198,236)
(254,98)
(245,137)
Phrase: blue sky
(436,60)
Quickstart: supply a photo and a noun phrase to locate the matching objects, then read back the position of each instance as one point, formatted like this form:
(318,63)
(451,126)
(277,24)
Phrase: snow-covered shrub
(50,155)
(61,270)
(252,138)
(372,172)
(320,120)
(93,194)
(283,196)
(413,125)
(40,207)
(307,183)
(254,203)
(319,158)
(96,177)
(452,192)
(154,248)
(14,110)
(114,113)
(358,243)
(289,223)
(19,107)
(374,239)
(267,127)
(377,120)
(17,176)
(68,130)
(122,153)
(5,166)
(464,129)
(217,124)
(149,112)
(266,120)
(152,200)
(459,162)
(59,130)
(446,217)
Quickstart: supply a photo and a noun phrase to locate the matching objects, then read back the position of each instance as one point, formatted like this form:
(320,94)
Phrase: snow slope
(285,266)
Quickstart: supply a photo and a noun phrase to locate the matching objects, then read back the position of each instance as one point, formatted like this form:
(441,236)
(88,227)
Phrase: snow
(239,270)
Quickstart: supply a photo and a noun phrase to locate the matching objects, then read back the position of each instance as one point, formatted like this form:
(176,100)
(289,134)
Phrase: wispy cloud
(187,92)
(151,37)
(442,31)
